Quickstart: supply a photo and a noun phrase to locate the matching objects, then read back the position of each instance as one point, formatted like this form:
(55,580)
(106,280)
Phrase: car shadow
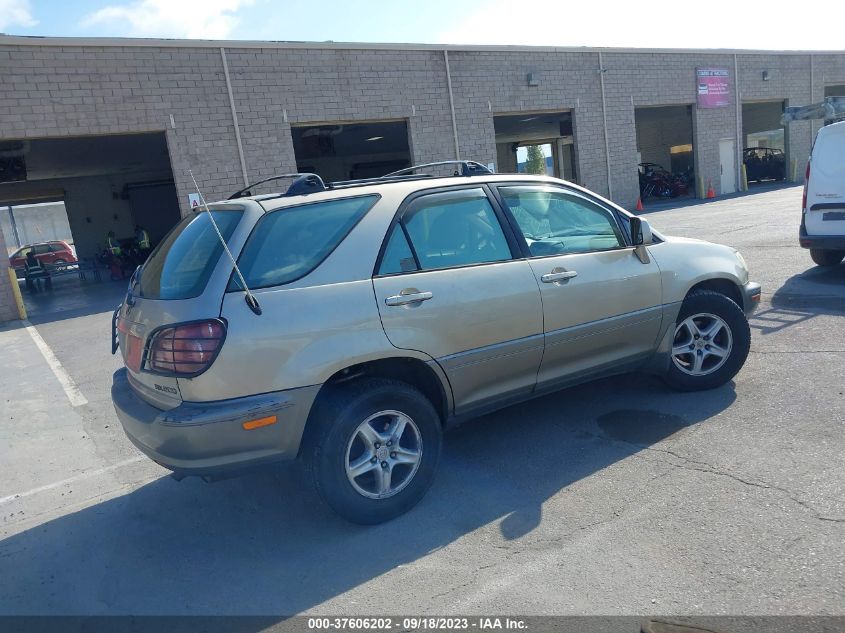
(816,291)
(262,545)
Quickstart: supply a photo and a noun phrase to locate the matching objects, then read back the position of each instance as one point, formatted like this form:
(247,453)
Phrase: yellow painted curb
(16,291)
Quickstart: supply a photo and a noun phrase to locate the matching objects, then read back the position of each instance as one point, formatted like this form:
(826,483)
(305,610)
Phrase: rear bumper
(208,438)
(751,293)
(821,242)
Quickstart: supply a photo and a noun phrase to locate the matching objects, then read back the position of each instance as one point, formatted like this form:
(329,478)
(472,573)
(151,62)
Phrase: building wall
(56,87)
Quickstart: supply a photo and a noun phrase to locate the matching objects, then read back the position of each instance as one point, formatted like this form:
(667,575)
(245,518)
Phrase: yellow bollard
(794,170)
(744,178)
(16,291)
(702,194)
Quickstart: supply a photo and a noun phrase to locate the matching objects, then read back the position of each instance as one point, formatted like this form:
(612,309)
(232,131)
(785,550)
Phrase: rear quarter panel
(303,337)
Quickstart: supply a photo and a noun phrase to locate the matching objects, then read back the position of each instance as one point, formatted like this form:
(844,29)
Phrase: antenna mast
(250,299)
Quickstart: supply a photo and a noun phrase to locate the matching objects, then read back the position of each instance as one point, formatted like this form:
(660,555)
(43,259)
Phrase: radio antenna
(250,299)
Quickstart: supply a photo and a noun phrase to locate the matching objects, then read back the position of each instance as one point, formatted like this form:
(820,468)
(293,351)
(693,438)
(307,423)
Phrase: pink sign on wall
(713,86)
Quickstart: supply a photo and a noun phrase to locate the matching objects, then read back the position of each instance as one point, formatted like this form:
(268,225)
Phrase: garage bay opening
(536,143)
(344,151)
(765,155)
(90,208)
(665,163)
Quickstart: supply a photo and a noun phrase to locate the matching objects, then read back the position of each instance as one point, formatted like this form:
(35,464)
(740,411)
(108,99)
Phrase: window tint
(455,229)
(555,222)
(289,243)
(181,264)
(41,249)
(397,257)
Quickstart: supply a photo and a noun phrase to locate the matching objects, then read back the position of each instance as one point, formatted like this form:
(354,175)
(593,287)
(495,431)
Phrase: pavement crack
(688,463)
(704,467)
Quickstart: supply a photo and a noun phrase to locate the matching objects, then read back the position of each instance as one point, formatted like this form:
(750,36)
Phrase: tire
(825,257)
(701,311)
(337,439)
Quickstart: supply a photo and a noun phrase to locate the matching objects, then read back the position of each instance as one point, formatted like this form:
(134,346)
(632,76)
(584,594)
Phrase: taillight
(186,350)
(806,183)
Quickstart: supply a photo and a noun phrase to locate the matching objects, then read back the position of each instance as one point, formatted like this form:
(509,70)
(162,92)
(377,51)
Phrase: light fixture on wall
(765,75)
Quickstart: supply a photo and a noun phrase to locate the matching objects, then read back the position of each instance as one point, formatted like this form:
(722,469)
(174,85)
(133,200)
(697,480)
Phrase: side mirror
(640,232)
(641,237)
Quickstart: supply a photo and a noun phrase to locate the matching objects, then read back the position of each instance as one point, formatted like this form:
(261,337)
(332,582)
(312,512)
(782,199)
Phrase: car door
(42,253)
(601,304)
(451,283)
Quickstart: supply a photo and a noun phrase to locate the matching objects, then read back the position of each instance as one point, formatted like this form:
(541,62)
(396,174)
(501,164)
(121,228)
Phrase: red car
(55,252)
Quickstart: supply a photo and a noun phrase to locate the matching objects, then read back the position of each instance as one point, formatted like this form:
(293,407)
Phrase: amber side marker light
(257,424)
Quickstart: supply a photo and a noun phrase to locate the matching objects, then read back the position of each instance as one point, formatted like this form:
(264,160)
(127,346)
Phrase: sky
(673,24)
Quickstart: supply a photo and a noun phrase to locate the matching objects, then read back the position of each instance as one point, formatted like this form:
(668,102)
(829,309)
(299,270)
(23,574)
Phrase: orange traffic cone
(639,204)
(710,192)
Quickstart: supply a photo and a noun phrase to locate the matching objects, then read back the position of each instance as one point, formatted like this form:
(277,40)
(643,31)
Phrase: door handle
(558,275)
(403,299)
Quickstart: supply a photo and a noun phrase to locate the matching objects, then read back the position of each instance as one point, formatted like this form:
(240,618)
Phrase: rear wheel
(711,342)
(374,449)
(825,257)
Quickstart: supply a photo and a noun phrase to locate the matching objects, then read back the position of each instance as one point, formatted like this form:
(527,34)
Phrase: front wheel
(374,449)
(825,257)
(711,342)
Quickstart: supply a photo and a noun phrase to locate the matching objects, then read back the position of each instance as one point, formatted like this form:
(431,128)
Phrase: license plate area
(833,216)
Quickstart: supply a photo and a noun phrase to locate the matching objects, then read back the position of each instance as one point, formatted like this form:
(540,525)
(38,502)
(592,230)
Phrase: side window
(289,243)
(556,222)
(42,249)
(398,257)
(456,228)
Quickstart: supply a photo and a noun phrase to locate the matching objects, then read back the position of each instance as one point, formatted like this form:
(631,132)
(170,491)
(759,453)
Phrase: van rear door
(825,213)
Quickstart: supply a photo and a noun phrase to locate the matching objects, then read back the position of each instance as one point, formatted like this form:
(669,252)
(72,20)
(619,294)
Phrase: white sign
(194,200)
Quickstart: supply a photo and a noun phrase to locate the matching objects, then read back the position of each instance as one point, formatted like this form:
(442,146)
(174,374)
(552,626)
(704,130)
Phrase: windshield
(180,266)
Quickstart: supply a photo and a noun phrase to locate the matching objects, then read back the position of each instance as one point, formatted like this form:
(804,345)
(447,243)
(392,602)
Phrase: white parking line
(70,480)
(71,390)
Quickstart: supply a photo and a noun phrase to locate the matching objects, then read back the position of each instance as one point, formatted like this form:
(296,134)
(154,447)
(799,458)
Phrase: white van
(823,206)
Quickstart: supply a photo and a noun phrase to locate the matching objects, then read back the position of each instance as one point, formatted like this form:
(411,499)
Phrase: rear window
(289,243)
(181,264)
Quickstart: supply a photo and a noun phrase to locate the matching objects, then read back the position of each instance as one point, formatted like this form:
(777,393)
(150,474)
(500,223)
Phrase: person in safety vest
(142,238)
(112,244)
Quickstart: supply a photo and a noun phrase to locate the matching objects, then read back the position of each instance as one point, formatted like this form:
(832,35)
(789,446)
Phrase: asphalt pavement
(617,497)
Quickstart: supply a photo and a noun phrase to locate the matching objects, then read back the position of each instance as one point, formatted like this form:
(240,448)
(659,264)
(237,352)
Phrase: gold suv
(362,318)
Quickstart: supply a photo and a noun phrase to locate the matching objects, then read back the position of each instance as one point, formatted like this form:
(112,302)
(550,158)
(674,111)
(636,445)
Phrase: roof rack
(468,168)
(340,184)
(312,183)
(304,183)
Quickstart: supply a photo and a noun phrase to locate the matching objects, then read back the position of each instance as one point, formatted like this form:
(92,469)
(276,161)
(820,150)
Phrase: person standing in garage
(112,244)
(142,239)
